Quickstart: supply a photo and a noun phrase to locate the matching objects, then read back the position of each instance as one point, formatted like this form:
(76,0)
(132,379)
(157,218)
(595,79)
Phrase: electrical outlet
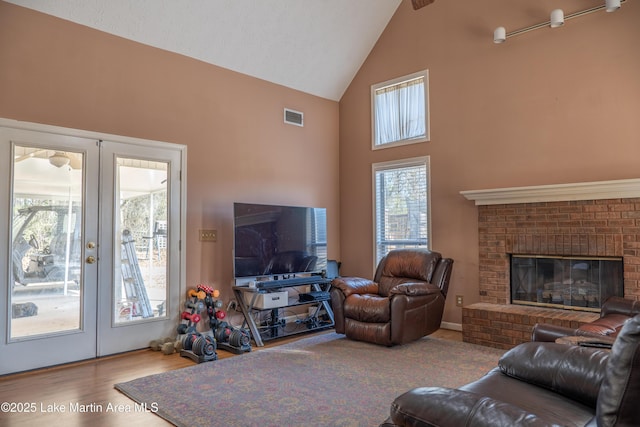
(208,235)
(458,300)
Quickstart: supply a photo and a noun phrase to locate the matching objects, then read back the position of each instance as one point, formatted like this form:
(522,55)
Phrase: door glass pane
(140,286)
(46,241)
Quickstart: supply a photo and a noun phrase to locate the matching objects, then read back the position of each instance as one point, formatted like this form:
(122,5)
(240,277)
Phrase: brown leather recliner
(615,311)
(403,302)
(538,384)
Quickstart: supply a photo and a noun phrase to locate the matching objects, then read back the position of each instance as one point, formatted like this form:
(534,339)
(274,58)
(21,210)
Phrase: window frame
(424,74)
(399,164)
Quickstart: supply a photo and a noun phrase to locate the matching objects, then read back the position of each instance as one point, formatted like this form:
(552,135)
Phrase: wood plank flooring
(88,386)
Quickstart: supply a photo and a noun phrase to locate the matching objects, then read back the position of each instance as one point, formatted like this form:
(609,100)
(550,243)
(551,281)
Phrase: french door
(140,232)
(89,226)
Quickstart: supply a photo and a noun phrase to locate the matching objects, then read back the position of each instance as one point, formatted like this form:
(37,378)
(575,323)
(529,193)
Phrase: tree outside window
(401,205)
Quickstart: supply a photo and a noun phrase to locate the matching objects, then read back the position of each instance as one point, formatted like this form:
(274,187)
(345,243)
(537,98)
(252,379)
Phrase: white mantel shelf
(620,189)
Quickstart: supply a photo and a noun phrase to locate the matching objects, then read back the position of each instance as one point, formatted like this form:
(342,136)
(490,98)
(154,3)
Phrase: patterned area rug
(324,380)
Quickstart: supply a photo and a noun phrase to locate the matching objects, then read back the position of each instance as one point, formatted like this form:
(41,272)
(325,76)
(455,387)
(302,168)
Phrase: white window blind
(317,233)
(401,205)
(399,111)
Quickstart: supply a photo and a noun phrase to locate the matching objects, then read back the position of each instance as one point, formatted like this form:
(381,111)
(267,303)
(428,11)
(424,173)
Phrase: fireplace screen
(574,283)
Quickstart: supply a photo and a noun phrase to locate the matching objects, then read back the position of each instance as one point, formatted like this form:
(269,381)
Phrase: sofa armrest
(414,289)
(355,285)
(620,390)
(572,371)
(443,407)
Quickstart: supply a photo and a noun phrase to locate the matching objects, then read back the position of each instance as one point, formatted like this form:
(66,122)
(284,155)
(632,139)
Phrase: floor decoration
(323,380)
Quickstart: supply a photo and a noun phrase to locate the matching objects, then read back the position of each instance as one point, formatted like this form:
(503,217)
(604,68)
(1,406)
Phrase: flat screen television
(278,241)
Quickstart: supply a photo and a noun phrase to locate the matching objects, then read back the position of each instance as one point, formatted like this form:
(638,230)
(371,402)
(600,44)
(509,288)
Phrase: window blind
(401,206)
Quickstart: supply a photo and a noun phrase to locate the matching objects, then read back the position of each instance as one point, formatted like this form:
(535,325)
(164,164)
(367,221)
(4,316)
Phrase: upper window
(399,111)
(401,205)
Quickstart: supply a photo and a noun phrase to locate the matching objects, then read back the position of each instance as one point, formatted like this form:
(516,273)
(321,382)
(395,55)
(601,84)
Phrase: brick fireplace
(533,223)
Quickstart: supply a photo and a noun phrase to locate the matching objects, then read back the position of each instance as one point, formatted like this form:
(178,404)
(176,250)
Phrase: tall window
(399,111)
(401,205)
(317,235)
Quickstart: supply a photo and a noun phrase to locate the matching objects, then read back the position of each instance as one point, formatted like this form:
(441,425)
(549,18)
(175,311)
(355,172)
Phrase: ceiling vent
(293,117)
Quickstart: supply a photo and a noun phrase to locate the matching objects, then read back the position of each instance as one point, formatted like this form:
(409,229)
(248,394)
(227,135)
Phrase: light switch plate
(208,235)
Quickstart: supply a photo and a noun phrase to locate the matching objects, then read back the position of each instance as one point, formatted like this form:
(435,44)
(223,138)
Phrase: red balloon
(220,314)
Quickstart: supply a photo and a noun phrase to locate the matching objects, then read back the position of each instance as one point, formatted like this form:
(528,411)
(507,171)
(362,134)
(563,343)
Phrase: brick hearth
(594,228)
(505,326)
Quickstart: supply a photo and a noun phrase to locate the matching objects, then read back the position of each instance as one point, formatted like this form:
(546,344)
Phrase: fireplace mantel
(625,188)
(591,219)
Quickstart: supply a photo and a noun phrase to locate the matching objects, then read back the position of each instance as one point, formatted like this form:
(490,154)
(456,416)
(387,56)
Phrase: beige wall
(549,106)
(58,73)
(546,107)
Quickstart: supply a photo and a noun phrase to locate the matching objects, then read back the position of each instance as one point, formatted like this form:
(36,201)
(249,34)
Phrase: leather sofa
(615,311)
(538,384)
(404,301)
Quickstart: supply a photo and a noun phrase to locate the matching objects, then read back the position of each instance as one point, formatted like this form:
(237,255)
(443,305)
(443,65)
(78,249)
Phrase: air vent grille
(293,117)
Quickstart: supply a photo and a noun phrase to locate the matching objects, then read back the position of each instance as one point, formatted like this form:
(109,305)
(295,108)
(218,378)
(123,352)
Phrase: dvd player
(314,296)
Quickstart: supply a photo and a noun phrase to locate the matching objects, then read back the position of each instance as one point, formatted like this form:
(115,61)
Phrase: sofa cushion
(401,266)
(367,308)
(436,406)
(354,285)
(620,390)
(414,289)
(570,370)
(541,401)
(607,325)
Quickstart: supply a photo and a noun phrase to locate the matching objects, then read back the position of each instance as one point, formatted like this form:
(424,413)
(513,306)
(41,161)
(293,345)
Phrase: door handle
(91,259)
(91,245)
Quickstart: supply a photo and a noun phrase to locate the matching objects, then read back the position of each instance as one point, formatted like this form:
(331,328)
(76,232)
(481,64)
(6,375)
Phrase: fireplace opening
(572,283)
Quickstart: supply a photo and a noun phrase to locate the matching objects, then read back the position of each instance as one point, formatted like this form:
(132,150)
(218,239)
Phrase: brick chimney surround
(595,219)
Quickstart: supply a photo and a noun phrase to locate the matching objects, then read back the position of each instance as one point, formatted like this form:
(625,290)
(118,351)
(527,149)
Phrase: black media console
(269,308)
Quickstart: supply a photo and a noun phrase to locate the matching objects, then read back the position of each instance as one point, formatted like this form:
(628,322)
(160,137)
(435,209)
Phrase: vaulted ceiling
(315,46)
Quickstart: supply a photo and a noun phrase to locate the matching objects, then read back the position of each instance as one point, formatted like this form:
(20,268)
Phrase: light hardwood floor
(45,393)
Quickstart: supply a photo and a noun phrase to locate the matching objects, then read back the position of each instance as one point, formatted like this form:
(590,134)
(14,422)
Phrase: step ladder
(132,278)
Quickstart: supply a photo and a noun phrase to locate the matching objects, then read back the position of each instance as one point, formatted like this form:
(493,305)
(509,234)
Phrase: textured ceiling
(315,46)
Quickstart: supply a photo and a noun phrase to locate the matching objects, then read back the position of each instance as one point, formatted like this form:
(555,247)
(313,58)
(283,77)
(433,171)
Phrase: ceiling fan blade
(28,155)
(76,160)
(417,4)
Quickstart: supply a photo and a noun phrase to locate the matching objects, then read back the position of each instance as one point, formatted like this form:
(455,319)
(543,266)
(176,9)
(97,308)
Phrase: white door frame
(113,337)
(28,352)
(91,342)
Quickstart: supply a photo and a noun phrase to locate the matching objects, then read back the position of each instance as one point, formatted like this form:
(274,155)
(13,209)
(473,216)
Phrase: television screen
(283,241)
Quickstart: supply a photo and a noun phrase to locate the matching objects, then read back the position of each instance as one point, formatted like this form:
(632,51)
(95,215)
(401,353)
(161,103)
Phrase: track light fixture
(613,5)
(556,20)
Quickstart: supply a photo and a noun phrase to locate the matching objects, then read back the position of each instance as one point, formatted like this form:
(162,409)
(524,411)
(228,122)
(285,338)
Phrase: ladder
(132,278)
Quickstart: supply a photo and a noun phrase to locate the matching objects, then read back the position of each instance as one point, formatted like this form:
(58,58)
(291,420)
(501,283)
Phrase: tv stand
(266,323)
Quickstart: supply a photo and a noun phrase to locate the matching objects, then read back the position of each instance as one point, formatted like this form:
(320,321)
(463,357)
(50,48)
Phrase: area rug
(323,380)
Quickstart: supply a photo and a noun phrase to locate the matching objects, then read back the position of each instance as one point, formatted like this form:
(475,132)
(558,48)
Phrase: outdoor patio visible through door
(90,226)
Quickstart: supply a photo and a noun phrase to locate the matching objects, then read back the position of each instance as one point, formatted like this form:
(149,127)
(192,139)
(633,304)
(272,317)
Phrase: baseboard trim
(452,326)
